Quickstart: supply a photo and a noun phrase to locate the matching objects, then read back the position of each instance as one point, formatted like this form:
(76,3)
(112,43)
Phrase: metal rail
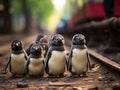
(105,60)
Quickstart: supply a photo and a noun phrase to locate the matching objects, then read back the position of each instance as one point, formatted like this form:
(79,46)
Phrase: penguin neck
(35,56)
(58,48)
(17,52)
(80,46)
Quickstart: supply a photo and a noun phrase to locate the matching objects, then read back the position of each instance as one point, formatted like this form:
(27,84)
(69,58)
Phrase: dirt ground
(99,78)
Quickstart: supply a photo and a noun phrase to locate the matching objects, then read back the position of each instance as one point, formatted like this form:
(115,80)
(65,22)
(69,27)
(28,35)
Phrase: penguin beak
(59,40)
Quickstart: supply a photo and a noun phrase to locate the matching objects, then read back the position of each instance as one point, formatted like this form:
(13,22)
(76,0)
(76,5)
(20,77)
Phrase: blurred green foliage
(40,8)
(16,8)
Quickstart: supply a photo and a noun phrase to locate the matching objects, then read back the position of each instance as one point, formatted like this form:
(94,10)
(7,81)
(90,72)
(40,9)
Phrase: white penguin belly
(36,66)
(57,62)
(18,63)
(79,60)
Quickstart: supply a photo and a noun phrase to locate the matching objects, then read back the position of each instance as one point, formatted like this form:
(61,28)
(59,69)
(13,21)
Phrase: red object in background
(94,10)
(71,22)
(117,8)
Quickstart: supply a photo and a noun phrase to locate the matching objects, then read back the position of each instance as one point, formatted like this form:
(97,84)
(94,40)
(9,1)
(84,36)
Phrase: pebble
(22,85)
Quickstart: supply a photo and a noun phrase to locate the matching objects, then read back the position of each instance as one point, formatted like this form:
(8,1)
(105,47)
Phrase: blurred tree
(40,10)
(27,14)
(34,12)
(5,17)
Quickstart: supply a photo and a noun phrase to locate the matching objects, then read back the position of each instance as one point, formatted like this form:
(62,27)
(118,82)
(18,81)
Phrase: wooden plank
(105,60)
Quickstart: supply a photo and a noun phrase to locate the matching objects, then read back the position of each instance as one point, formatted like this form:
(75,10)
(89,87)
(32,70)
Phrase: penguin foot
(73,75)
(24,75)
(13,76)
(41,75)
(85,74)
(34,76)
(50,76)
(61,75)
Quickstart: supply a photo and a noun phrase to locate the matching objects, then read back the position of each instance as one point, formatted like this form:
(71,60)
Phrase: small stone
(22,85)
(100,78)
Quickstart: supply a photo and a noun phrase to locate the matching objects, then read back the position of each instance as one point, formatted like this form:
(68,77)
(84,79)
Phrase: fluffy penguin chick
(17,59)
(39,36)
(56,59)
(35,63)
(78,60)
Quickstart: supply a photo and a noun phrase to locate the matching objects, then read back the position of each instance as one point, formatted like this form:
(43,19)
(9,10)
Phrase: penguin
(44,43)
(35,62)
(78,60)
(55,60)
(39,36)
(17,59)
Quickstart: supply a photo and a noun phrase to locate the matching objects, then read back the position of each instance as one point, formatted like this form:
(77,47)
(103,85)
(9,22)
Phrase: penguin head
(36,49)
(16,45)
(57,40)
(39,36)
(43,40)
(78,39)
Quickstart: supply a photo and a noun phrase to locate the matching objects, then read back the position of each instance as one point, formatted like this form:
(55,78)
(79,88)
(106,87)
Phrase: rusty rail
(105,60)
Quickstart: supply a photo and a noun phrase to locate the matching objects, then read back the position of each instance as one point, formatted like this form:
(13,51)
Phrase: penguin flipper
(47,60)
(27,64)
(26,56)
(42,72)
(28,48)
(70,60)
(46,49)
(9,60)
(89,62)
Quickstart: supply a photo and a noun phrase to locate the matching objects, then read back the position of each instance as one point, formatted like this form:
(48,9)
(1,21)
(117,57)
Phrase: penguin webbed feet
(50,76)
(56,76)
(24,74)
(74,75)
(13,76)
(84,74)
(41,75)
(61,75)
(35,76)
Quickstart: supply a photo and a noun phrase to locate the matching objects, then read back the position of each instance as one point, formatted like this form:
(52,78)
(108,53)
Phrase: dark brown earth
(99,78)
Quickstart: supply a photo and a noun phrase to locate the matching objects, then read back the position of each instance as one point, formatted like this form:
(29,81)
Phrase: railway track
(104,60)
(103,76)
